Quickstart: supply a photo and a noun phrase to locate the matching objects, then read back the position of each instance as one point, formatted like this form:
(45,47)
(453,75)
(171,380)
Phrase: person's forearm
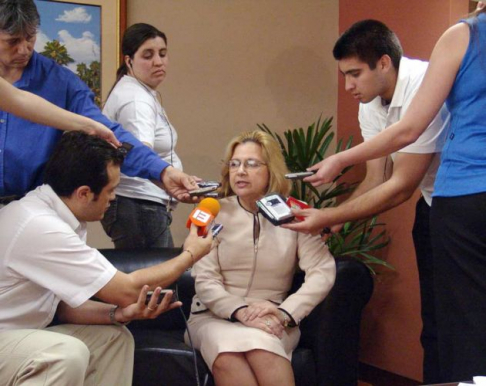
(375,201)
(123,289)
(141,161)
(387,142)
(29,106)
(90,312)
(164,274)
(365,186)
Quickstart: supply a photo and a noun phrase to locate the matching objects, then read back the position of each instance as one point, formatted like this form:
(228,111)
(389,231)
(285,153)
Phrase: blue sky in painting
(76,26)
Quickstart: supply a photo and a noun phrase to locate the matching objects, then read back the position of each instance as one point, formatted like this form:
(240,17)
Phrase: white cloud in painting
(82,50)
(76,15)
(41,41)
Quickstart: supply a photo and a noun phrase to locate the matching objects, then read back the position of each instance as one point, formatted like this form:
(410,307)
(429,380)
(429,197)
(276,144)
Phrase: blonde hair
(272,156)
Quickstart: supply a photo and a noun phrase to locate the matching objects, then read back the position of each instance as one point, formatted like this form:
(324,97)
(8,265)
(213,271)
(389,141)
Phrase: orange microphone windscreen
(211,204)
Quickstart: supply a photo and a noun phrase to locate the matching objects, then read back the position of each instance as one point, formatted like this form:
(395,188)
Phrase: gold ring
(268,323)
(151,309)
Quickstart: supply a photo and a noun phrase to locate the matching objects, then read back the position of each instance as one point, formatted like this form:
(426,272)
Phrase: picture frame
(112,19)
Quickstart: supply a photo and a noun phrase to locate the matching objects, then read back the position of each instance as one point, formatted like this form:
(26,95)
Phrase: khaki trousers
(67,355)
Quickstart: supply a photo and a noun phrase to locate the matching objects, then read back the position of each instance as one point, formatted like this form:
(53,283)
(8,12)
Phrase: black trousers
(458,229)
(423,251)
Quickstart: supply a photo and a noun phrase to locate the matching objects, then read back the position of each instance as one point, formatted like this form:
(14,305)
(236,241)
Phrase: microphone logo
(201,218)
(203,215)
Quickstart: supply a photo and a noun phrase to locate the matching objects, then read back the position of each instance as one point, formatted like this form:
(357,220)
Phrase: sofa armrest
(332,329)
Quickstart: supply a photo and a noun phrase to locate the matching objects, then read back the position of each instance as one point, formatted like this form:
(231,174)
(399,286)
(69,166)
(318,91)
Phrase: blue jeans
(133,223)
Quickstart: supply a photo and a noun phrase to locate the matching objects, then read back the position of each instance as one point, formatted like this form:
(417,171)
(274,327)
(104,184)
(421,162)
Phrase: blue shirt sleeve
(141,161)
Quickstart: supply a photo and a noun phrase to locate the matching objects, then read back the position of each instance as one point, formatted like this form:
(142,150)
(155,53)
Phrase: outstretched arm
(123,289)
(92,312)
(443,67)
(37,109)
(408,171)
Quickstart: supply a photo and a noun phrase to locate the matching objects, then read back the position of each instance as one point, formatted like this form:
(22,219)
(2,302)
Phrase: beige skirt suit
(254,261)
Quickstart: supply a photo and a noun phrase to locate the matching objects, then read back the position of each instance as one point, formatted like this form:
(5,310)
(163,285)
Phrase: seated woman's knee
(266,357)
(226,361)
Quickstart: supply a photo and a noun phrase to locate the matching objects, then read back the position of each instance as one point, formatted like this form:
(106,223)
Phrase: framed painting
(85,36)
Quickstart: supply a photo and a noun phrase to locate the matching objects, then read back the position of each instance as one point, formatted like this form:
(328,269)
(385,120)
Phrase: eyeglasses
(252,164)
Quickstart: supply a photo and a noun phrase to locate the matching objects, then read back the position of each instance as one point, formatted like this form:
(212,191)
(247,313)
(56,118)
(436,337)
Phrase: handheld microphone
(203,215)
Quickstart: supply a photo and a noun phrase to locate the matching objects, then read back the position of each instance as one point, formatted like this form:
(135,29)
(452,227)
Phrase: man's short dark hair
(80,159)
(369,40)
(19,17)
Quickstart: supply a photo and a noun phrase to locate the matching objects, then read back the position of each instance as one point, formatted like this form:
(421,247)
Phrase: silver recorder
(275,209)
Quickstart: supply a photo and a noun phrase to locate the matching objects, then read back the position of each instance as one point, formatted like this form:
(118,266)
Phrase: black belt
(8,199)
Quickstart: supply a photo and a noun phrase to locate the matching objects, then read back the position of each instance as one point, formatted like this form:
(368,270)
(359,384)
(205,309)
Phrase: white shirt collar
(402,83)
(51,199)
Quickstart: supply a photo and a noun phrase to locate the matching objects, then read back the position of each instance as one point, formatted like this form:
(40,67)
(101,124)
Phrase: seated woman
(241,317)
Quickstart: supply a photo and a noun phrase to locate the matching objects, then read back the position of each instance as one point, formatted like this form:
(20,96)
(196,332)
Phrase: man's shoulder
(412,69)
(46,67)
(26,210)
(27,220)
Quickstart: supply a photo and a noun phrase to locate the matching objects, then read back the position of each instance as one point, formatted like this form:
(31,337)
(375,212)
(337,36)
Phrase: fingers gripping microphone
(203,215)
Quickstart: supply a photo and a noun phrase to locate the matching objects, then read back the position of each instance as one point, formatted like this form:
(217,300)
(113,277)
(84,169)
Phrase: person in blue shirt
(25,146)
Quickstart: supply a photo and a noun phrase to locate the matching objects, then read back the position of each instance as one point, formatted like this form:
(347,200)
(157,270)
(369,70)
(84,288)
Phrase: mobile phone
(161,296)
(211,194)
(206,184)
(216,228)
(202,191)
(299,175)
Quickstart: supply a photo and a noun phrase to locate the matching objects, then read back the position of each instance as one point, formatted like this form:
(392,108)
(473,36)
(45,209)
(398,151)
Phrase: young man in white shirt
(47,270)
(370,58)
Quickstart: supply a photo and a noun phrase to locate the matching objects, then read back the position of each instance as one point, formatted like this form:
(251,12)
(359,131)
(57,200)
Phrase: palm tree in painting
(91,76)
(57,52)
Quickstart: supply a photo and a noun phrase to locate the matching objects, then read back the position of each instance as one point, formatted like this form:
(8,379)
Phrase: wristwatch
(113,319)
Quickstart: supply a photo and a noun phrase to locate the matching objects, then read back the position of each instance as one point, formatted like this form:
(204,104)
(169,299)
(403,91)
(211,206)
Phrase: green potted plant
(303,148)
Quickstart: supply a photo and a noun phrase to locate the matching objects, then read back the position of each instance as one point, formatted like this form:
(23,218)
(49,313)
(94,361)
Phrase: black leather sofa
(327,353)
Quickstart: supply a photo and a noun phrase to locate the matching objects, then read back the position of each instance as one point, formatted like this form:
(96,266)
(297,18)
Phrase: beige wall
(234,64)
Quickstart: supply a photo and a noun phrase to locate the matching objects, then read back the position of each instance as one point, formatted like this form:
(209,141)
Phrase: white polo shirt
(44,259)
(374,117)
